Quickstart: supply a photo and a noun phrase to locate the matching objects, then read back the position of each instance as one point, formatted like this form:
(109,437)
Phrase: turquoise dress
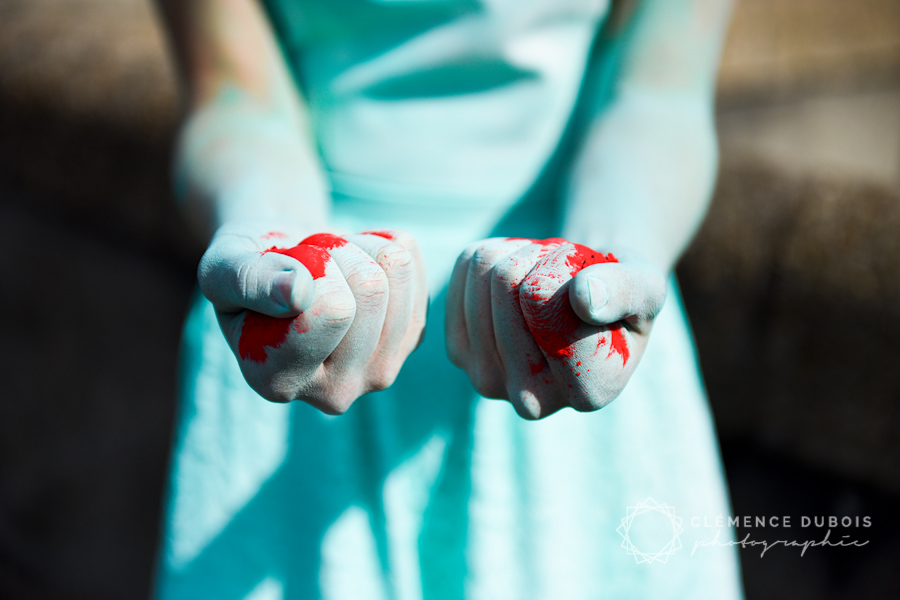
(447,119)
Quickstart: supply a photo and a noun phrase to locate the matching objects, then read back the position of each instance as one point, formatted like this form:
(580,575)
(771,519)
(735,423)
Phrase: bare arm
(245,151)
(568,324)
(644,175)
(287,296)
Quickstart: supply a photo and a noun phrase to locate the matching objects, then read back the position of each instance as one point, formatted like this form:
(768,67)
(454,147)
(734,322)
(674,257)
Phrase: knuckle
(336,399)
(456,357)
(396,260)
(483,266)
(269,384)
(417,325)
(207,270)
(336,309)
(536,291)
(486,383)
(464,260)
(486,256)
(384,377)
(455,353)
(530,411)
(469,251)
(534,407)
(278,396)
(504,274)
(404,239)
(370,285)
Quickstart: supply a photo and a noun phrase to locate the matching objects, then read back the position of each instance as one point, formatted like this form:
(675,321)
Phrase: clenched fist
(548,323)
(320,318)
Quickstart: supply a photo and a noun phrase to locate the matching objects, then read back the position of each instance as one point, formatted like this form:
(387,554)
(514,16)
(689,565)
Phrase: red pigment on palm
(554,327)
(380,233)
(261,331)
(312,252)
(617,343)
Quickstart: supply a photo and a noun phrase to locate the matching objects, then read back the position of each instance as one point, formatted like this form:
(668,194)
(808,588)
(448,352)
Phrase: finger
(235,275)
(485,368)
(346,366)
(416,328)
(322,324)
(633,291)
(578,353)
(282,358)
(542,297)
(397,265)
(455,334)
(564,340)
(529,381)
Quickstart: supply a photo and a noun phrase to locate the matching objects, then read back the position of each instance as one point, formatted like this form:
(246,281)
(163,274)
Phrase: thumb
(234,275)
(634,291)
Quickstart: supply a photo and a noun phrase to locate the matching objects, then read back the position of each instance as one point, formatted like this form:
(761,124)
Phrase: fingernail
(598,294)
(283,288)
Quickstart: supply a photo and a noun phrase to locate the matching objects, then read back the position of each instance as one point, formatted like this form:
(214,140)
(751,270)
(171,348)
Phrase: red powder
(554,241)
(313,258)
(617,343)
(275,235)
(380,233)
(553,326)
(312,252)
(585,257)
(261,331)
(536,368)
(328,241)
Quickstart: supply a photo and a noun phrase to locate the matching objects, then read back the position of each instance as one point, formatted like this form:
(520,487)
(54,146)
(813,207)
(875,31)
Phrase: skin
(639,186)
(515,325)
(246,166)
(349,321)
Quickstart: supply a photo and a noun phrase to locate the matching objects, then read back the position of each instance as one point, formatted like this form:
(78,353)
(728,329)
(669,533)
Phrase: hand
(548,323)
(325,320)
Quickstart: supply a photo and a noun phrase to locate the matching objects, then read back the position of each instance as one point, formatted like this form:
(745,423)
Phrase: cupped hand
(549,323)
(320,318)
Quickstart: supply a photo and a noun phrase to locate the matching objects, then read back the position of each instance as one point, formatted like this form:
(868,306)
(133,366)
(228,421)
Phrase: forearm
(644,176)
(239,161)
(645,169)
(246,149)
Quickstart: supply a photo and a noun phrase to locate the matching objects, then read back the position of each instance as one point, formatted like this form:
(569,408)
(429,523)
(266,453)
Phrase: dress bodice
(458,100)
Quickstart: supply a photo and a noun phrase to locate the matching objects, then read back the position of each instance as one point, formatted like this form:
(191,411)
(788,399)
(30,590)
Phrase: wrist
(638,243)
(237,164)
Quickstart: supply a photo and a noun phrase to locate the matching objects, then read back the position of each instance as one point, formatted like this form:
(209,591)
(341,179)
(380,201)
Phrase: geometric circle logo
(650,531)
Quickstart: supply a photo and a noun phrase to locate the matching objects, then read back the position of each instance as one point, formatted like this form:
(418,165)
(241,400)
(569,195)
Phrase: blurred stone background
(793,286)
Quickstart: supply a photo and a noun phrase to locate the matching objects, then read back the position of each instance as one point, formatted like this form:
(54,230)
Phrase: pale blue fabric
(426,490)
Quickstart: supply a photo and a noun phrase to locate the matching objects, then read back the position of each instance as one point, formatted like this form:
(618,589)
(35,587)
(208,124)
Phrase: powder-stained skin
(380,233)
(553,329)
(261,331)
